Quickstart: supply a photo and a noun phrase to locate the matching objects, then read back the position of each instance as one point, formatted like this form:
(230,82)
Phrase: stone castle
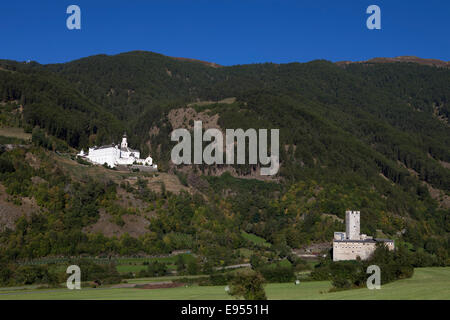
(351,244)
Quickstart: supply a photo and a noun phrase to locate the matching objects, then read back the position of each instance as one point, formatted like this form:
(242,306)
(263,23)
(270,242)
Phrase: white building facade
(114,155)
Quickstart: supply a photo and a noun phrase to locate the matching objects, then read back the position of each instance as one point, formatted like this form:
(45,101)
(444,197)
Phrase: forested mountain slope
(368,136)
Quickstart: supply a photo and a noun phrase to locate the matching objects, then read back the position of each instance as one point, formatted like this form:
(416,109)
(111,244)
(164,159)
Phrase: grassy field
(15,133)
(255,239)
(123,265)
(136,264)
(427,283)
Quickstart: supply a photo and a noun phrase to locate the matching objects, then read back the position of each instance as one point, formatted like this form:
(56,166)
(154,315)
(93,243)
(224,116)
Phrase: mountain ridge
(405,59)
(410,59)
(370,137)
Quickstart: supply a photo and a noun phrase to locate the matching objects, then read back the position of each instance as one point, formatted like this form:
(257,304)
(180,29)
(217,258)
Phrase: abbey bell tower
(124,143)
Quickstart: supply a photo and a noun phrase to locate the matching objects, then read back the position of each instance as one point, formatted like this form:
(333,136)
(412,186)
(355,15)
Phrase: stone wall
(350,250)
(352,224)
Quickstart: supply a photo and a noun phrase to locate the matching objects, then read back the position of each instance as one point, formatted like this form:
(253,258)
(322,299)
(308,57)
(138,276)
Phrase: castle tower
(124,143)
(352,225)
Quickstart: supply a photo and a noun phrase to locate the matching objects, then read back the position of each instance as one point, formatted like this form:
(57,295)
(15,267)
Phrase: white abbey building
(351,244)
(114,155)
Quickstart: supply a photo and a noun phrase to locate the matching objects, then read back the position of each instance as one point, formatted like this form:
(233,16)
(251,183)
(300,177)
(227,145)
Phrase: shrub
(247,284)
(277,273)
(6,166)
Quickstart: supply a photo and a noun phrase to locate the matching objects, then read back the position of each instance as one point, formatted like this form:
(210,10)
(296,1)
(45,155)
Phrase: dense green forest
(370,137)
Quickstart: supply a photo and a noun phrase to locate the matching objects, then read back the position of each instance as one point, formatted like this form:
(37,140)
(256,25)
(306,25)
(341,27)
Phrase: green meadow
(427,283)
(255,239)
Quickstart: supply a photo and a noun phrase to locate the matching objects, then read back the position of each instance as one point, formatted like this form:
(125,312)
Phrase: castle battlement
(352,222)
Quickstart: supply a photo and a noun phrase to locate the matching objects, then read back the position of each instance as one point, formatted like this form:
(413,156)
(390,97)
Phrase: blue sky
(225,31)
